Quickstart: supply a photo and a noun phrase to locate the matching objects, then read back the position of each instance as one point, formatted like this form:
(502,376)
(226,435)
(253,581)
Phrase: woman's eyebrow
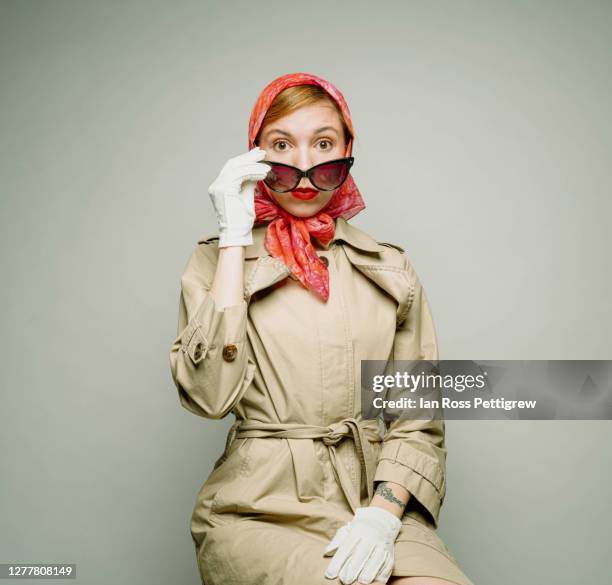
(325,129)
(288,134)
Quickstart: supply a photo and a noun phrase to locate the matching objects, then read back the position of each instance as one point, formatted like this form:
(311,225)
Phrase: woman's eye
(327,144)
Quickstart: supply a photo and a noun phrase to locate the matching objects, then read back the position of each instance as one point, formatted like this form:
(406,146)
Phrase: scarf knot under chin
(288,239)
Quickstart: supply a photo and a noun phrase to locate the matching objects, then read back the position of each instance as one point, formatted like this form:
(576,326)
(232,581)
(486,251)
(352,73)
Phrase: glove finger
(384,574)
(248,175)
(344,552)
(255,153)
(358,558)
(238,189)
(373,565)
(252,169)
(337,540)
(250,180)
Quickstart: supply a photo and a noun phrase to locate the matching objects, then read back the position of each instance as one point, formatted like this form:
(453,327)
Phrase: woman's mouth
(304,194)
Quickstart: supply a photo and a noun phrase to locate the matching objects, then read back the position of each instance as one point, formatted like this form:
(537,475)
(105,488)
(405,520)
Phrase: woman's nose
(303,157)
(303,162)
(305,184)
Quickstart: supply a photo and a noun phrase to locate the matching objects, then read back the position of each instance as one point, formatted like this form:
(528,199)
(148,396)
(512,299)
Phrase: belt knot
(306,466)
(336,432)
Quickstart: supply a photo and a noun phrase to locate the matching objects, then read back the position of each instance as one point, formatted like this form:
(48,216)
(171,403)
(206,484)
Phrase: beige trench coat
(299,459)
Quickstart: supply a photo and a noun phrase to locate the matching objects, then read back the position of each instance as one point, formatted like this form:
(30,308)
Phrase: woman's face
(306,137)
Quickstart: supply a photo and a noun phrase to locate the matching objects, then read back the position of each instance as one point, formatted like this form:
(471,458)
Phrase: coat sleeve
(210,382)
(413,452)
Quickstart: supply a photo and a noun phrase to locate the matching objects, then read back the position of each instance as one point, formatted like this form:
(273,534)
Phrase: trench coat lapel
(373,259)
(390,277)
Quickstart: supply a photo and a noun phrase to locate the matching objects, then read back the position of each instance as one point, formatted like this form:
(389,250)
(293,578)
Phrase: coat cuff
(211,327)
(421,475)
(211,367)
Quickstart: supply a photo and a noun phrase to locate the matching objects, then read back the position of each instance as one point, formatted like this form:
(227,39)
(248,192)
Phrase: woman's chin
(304,208)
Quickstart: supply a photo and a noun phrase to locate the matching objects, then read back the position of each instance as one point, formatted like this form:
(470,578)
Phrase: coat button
(229,352)
(324,260)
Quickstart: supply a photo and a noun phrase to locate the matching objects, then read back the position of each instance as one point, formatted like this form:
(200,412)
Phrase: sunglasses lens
(324,177)
(331,176)
(281,178)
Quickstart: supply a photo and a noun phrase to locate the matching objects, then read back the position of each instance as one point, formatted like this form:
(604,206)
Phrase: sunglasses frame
(349,160)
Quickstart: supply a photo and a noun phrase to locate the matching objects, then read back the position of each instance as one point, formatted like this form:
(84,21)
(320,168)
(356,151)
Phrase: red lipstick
(304,194)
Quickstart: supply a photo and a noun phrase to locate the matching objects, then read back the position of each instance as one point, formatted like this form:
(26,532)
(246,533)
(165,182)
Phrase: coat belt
(308,469)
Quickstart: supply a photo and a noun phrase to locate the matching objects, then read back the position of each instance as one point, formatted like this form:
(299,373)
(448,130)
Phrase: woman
(276,314)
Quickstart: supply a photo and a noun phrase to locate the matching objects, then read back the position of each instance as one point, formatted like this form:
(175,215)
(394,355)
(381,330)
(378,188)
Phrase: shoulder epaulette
(390,245)
(209,240)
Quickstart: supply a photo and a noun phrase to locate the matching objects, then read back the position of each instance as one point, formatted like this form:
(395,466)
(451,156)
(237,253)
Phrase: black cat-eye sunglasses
(325,176)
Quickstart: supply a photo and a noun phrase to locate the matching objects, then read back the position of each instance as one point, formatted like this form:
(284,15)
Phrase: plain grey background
(483,148)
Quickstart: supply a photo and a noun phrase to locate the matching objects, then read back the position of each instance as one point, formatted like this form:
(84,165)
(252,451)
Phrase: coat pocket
(229,476)
(260,473)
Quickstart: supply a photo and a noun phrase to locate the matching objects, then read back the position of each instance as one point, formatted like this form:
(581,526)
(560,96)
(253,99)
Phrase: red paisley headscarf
(287,236)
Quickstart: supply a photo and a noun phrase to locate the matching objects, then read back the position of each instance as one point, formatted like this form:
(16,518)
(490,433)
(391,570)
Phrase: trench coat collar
(371,258)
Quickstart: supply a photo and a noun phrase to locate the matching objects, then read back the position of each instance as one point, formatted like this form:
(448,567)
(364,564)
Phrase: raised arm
(208,359)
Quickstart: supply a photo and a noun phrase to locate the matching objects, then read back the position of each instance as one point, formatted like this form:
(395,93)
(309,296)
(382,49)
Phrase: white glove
(365,547)
(234,203)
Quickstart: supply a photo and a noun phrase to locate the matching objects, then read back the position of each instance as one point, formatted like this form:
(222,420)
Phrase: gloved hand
(232,195)
(365,547)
